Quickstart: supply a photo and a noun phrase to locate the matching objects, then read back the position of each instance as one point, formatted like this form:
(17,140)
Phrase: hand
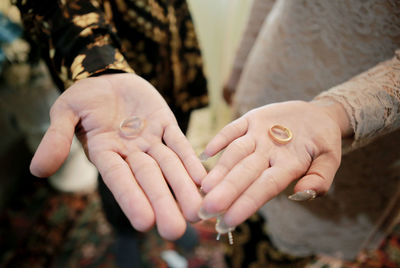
(136,170)
(253,168)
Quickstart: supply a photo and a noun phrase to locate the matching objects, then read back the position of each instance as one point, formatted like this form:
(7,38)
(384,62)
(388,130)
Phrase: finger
(234,184)
(174,139)
(54,148)
(270,183)
(118,177)
(170,222)
(319,176)
(229,133)
(184,188)
(234,153)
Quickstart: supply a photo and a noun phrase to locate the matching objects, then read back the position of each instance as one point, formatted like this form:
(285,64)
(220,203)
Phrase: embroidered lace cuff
(371,100)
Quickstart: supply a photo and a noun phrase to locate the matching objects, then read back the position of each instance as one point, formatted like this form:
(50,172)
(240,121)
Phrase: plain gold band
(279,139)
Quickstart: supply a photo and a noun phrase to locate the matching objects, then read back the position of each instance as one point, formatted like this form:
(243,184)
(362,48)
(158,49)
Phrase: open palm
(253,168)
(138,170)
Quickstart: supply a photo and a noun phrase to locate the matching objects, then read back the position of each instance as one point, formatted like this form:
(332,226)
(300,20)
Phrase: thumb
(54,148)
(318,179)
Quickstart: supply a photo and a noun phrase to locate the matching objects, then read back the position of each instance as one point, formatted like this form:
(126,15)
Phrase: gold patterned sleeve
(371,100)
(76,39)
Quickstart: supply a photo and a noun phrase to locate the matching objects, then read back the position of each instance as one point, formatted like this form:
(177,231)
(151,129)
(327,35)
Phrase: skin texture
(136,170)
(253,168)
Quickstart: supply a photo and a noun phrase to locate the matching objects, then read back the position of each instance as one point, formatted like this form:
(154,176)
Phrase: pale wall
(219,25)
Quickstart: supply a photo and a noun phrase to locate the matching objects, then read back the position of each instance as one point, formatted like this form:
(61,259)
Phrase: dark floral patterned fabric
(153,38)
(254,249)
(43,228)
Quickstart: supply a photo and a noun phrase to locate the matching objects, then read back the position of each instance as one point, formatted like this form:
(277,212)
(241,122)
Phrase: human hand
(137,170)
(253,168)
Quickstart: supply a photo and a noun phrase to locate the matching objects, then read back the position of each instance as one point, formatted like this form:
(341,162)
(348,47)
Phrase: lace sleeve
(76,39)
(371,100)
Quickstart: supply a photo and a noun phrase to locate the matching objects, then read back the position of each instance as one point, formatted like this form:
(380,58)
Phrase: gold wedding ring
(280,134)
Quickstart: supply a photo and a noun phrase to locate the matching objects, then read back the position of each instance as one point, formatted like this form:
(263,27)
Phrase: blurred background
(219,27)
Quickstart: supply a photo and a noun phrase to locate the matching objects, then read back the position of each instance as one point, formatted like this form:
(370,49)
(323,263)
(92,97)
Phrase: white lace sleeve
(371,100)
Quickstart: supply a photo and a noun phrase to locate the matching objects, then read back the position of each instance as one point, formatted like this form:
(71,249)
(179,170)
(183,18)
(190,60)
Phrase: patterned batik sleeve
(76,38)
(371,100)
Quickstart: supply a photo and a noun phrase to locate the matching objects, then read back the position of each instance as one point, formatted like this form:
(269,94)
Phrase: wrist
(337,112)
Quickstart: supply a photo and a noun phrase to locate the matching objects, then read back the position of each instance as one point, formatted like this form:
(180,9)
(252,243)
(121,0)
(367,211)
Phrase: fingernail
(221,227)
(205,215)
(303,195)
(203,157)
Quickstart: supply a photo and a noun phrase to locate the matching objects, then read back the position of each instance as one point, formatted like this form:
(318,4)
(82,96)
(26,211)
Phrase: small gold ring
(278,130)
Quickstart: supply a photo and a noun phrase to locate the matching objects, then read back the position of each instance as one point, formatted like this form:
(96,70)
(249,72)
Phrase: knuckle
(168,160)
(252,202)
(146,167)
(112,171)
(232,187)
(221,170)
(236,126)
(323,185)
(224,134)
(250,167)
(243,147)
(158,198)
(273,182)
